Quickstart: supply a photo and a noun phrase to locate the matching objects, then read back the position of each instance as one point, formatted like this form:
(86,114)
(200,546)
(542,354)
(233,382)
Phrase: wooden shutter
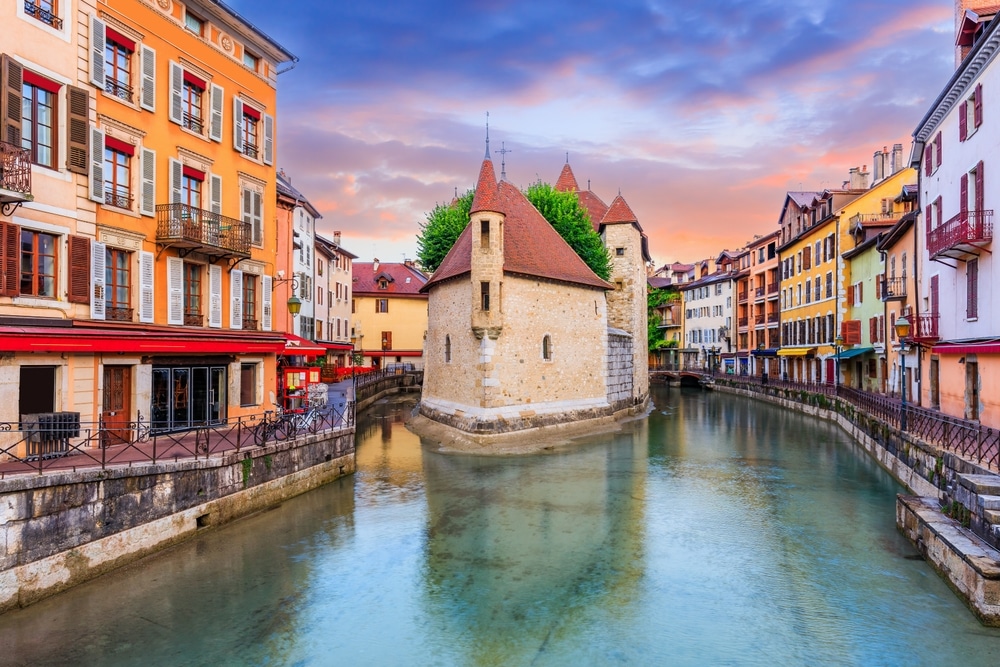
(98,303)
(963,120)
(146,264)
(806,258)
(265,303)
(977,112)
(236,299)
(175,290)
(963,194)
(10,259)
(216,193)
(77,124)
(878,286)
(147,94)
(980,200)
(938,212)
(873,329)
(176,93)
(218,104)
(861,292)
(850,331)
(927,160)
(10,100)
(96,165)
(268,139)
(238,124)
(929,221)
(972,289)
(147,189)
(257,215)
(79,271)
(934,295)
(215,296)
(850,295)
(938,152)
(176,177)
(98,37)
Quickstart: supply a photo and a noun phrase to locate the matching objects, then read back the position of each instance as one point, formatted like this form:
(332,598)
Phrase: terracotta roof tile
(364,279)
(567,181)
(594,206)
(485,198)
(619,213)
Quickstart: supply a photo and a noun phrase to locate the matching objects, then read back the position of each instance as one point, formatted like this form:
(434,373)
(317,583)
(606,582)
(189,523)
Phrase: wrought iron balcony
(118,198)
(759,292)
(962,236)
(773,318)
(893,288)
(15,176)
(773,287)
(115,314)
(121,90)
(193,123)
(741,296)
(192,229)
(251,324)
(250,150)
(43,15)
(194,320)
(742,322)
(758,318)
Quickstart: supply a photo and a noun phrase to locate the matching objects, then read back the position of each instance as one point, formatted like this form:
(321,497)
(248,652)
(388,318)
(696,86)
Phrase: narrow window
(191,101)
(192,295)
(620,252)
(39,119)
(249,125)
(248,384)
(250,302)
(117,174)
(547,348)
(194,24)
(381,305)
(117,285)
(447,349)
(484,289)
(484,234)
(117,67)
(250,60)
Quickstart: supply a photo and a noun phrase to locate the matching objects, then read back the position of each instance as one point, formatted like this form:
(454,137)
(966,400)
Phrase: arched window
(547,347)
(447,349)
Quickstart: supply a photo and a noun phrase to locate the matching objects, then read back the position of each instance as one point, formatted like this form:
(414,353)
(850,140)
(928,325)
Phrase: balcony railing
(742,321)
(121,90)
(758,318)
(193,123)
(961,235)
(43,15)
(251,324)
(15,175)
(925,327)
(773,288)
(250,150)
(773,318)
(866,218)
(759,292)
(741,296)
(893,288)
(118,199)
(116,314)
(193,320)
(184,226)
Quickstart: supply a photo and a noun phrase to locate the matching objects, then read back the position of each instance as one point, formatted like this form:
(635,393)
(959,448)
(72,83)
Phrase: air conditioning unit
(48,433)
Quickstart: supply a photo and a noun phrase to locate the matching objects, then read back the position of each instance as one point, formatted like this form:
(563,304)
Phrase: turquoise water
(716,532)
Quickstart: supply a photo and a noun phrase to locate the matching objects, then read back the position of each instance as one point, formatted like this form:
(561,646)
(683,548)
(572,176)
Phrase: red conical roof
(567,181)
(619,213)
(487,197)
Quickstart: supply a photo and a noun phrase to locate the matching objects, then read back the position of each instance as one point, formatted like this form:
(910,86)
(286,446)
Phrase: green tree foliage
(656,297)
(439,233)
(561,209)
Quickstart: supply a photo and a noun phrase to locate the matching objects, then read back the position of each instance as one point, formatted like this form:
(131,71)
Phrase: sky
(701,114)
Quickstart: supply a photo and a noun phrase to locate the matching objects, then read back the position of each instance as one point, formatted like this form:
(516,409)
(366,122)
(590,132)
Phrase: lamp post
(838,343)
(902,333)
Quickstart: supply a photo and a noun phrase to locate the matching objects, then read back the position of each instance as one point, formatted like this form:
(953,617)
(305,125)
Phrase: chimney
(375,265)
(408,262)
(336,238)
(852,178)
(877,166)
(863,174)
(897,157)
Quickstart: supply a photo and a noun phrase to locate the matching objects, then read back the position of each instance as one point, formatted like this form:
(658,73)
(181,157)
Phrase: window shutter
(972,291)
(176,176)
(878,286)
(937,151)
(10,100)
(938,212)
(927,160)
(873,329)
(77,123)
(79,279)
(216,193)
(10,259)
(850,330)
(98,304)
(258,217)
(218,103)
(980,200)
(175,290)
(265,305)
(806,258)
(98,34)
(861,292)
(146,264)
(236,299)
(978,110)
(215,296)
(963,120)
(96,165)
(268,139)
(238,124)
(850,295)
(147,191)
(176,93)
(928,222)
(147,93)
(963,190)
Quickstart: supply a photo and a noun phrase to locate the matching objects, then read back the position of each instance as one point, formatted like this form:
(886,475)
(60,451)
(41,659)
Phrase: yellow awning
(795,351)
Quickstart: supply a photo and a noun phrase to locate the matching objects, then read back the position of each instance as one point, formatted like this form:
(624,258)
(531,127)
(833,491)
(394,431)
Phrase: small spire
(456,192)
(567,157)
(503,160)
(588,184)
(487,136)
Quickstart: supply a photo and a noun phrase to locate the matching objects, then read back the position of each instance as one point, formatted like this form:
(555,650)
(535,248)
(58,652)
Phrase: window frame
(198,21)
(117,194)
(34,275)
(113,85)
(118,277)
(193,296)
(192,100)
(30,136)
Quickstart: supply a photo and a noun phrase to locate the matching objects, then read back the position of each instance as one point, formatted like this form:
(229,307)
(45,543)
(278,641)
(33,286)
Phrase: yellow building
(388,313)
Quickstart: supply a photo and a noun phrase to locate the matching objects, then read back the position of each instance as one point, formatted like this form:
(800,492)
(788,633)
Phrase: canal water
(717,531)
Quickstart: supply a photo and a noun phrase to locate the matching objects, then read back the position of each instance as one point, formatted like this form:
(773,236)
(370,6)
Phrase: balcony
(118,314)
(118,198)
(742,322)
(759,292)
(961,237)
(741,296)
(758,318)
(250,324)
(192,229)
(250,150)
(925,327)
(773,318)
(773,288)
(15,177)
(43,15)
(193,123)
(893,288)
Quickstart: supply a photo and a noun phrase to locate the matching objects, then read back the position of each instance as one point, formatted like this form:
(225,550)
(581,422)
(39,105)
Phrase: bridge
(684,376)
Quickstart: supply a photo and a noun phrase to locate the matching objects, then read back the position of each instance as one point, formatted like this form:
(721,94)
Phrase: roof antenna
(588,184)
(567,157)
(503,157)
(487,136)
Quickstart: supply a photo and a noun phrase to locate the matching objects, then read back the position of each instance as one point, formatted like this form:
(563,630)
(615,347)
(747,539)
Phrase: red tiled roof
(485,198)
(619,213)
(567,181)
(594,206)
(365,279)
(532,247)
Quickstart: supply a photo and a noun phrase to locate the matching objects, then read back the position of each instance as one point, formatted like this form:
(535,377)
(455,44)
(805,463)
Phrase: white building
(708,314)
(333,297)
(304,218)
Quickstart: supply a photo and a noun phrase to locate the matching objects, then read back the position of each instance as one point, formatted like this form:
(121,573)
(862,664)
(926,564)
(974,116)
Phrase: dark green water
(715,532)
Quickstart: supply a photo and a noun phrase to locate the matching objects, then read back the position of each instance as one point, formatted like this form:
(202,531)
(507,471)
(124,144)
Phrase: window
(39,119)
(45,11)
(829,285)
(972,289)
(117,173)
(818,287)
(547,347)
(386,340)
(248,128)
(191,183)
(38,264)
(248,384)
(117,285)
(484,291)
(250,302)
(620,252)
(192,295)
(447,349)
(191,102)
(484,234)
(118,52)
(808,290)
(383,283)
(381,305)
(194,24)
(250,60)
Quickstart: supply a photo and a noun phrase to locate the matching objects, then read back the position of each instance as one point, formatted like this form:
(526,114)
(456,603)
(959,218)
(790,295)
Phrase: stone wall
(627,305)
(620,368)
(59,530)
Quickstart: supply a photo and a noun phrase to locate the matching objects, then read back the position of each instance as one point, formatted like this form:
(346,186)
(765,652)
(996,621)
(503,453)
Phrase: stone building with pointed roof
(521,332)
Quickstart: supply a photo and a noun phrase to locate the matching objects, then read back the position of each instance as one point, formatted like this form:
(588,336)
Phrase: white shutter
(236,299)
(147,193)
(97,264)
(96,165)
(265,303)
(176,177)
(238,124)
(218,104)
(175,290)
(216,193)
(98,42)
(215,296)
(176,93)
(147,94)
(257,217)
(146,264)
(268,139)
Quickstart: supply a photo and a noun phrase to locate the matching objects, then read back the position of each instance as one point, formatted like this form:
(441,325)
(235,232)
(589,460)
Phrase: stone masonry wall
(620,366)
(627,307)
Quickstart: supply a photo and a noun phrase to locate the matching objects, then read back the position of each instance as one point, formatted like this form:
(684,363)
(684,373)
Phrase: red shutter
(980,201)
(978,111)
(850,295)
(878,286)
(927,160)
(928,220)
(79,270)
(972,293)
(873,329)
(937,148)
(9,259)
(963,194)
(861,292)
(963,112)
(937,211)
(851,332)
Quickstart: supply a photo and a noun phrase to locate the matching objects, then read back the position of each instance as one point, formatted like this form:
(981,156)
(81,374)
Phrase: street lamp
(838,343)
(902,333)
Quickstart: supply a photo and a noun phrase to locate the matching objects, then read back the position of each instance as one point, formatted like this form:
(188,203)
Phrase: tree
(656,297)
(439,233)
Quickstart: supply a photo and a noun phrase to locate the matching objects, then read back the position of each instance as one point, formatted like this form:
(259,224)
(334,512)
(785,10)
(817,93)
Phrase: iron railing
(15,168)
(192,122)
(893,288)
(250,150)
(43,15)
(759,292)
(772,318)
(119,89)
(772,288)
(118,199)
(180,222)
(118,314)
(968,228)
(758,318)
(741,296)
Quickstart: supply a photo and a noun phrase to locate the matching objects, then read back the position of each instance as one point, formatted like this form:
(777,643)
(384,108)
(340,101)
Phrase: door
(830,370)
(116,406)
(935,387)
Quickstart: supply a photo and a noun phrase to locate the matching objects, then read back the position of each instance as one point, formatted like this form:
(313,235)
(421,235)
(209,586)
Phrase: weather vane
(503,160)
(487,135)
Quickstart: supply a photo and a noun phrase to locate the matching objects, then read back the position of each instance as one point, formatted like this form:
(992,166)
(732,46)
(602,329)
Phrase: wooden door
(117,405)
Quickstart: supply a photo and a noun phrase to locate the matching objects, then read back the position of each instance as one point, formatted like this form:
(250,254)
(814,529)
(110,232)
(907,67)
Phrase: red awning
(347,347)
(298,345)
(132,340)
(986,347)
